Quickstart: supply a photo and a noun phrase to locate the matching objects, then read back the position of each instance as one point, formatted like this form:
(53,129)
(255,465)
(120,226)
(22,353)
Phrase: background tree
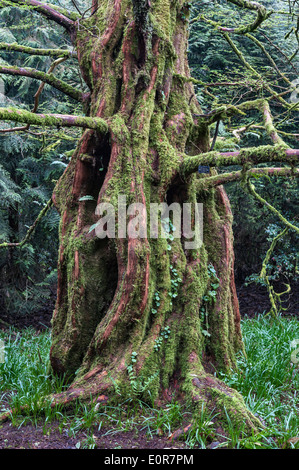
(32,160)
(272,51)
(144,314)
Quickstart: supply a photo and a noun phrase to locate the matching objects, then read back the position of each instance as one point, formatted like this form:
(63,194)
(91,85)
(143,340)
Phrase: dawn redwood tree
(140,315)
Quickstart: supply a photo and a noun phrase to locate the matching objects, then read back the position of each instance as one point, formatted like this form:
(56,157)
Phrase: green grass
(267,378)
(24,378)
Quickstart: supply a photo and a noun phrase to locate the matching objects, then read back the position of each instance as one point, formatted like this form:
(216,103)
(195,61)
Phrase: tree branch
(59,15)
(262,15)
(281,52)
(262,154)
(252,191)
(31,229)
(31,50)
(44,77)
(36,99)
(253,71)
(224,178)
(273,296)
(48,120)
(268,123)
(260,104)
(269,57)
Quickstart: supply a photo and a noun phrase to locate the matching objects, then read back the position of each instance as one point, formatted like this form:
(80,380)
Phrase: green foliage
(267,377)
(208,298)
(212,61)
(138,386)
(31,163)
(254,226)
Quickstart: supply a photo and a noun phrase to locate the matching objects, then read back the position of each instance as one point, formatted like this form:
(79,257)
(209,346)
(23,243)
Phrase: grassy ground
(267,378)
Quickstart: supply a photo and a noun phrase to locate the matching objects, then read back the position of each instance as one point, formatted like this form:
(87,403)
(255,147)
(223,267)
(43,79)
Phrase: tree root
(225,404)
(180,433)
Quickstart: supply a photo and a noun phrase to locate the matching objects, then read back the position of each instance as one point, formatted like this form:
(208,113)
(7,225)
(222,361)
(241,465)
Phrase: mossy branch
(255,155)
(9,47)
(268,124)
(31,229)
(262,15)
(269,57)
(50,120)
(270,251)
(50,79)
(36,99)
(274,297)
(263,201)
(260,104)
(61,16)
(211,181)
(289,60)
(254,72)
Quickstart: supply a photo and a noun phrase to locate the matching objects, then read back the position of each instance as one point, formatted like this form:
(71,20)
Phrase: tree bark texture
(133,57)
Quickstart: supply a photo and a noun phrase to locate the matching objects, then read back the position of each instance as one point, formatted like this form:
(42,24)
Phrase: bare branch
(44,77)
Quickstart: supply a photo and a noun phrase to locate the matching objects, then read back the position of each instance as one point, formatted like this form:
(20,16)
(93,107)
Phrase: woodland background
(31,162)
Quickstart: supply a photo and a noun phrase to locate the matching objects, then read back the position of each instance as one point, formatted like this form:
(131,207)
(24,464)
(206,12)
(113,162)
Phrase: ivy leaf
(86,198)
(92,227)
(205,332)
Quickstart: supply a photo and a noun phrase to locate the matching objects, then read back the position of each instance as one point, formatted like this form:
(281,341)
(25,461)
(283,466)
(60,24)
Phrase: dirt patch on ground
(50,437)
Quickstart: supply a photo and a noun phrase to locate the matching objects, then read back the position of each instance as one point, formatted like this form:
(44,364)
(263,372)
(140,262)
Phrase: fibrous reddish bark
(107,318)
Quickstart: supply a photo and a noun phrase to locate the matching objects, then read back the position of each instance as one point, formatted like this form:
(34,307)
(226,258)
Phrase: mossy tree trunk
(140,312)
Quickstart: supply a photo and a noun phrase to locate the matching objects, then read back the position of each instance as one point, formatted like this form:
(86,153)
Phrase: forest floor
(253,299)
(31,436)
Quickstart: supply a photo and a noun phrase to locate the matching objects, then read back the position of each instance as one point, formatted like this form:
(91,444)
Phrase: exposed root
(179,433)
(226,402)
(64,399)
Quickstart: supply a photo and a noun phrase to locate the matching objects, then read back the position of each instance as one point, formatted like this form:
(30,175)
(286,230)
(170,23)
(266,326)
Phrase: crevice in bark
(117,297)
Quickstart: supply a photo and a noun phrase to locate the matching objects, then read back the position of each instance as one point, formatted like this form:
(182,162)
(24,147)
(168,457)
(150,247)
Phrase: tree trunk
(123,319)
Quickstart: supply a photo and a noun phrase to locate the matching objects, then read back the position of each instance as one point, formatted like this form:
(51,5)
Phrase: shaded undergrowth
(267,378)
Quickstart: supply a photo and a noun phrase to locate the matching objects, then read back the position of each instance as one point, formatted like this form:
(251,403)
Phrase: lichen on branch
(55,13)
(50,79)
(262,154)
(15,47)
(50,120)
